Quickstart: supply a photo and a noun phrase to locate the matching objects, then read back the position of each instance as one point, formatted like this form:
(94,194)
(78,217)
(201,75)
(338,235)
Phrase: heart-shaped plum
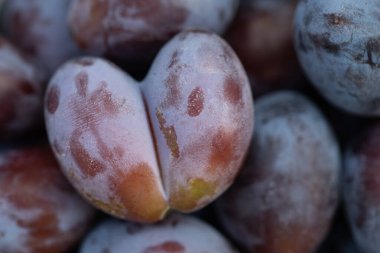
(175,140)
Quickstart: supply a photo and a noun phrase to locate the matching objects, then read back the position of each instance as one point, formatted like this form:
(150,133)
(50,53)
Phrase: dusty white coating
(201,140)
(337,44)
(186,235)
(29,207)
(125,134)
(291,176)
(15,71)
(44,32)
(362,210)
(11,61)
(191,63)
(126,21)
(10,231)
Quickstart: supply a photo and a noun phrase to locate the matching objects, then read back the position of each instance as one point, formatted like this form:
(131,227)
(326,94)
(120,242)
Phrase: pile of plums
(189,126)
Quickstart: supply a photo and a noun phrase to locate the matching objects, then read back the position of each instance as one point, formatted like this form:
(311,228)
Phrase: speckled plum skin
(262,36)
(134,31)
(176,234)
(21,92)
(176,140)
(286,194)
(362,188)
(39,211)
(338,45)
(40,29)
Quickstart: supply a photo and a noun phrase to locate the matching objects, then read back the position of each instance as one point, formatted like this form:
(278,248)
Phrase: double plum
(176,140)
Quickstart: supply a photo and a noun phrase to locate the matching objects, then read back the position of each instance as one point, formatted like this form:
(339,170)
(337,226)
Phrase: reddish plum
(39,210)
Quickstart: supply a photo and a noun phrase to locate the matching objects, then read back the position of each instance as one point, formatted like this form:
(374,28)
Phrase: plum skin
(339,50)
(121,172)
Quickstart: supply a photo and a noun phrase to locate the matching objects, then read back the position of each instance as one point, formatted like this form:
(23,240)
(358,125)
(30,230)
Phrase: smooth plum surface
(176,234)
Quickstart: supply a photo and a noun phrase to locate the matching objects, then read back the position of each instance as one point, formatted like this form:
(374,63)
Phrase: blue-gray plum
(362,188)
(286,194)
(338,45)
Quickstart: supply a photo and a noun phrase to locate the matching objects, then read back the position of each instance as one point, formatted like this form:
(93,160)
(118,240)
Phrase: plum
(40,29)
(21,93)
(176,234)
(175,140)
(39,211)
(262,36)
(286,194)
(338,45)
(133,31)
(362,188)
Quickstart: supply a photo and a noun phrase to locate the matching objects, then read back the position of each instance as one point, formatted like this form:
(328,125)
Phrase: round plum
(39,210)
(40,29)
(21,92)
(338,45)
(175,140)
(134,31)
(285,197)
(362,188)
(176,234)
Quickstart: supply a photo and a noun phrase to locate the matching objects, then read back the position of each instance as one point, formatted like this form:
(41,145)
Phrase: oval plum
(39,210)
(362,189)
(200,105)
(134,31)
(338,45)
(288,187)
